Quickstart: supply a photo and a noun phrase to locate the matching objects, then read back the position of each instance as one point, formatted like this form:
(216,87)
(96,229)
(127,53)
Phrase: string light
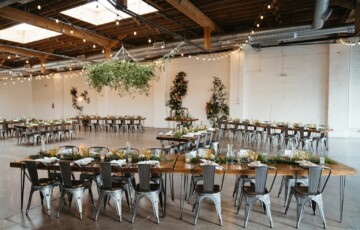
(9,57)
(39,7)
(103,51)
(149,40)
(71,31)
(182,54)
(189,55)
(261,17)
(94,46)
(84,40)
(135,33)
(57,20)
(269,6)
(27,61)
(257,25)
(117,22)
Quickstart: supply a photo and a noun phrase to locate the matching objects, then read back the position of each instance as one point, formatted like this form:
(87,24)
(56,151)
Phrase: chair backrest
(135,150)
(105,172)
(71,148)
(260,179)
(66,173)
(62,125)
(209,177)
(32,170)
(98,149)
(315,179)
(144,176)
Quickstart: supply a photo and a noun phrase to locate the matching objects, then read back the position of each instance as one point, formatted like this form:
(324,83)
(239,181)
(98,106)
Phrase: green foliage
(216,107)
(124,77)
(74,98)
(177,92)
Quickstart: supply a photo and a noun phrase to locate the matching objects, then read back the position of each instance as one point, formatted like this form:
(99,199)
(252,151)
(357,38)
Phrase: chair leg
(117,199)
(101,197)
(266,203)
(248,207)
(79,196)
(155,204)
(281,186)
(319,202)
(135,207)
(300,210)
(61,201)
(239,203)
(47,195)
(289,201)
(29,202)
(198,207)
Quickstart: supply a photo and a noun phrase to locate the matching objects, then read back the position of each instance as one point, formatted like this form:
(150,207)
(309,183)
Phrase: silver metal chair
(208,189)
(147,189)
(43,185)
(258,192)
(312,192)
(271,135)
(72,187)
(71,131)
(109,188)
(288,182)
(290,138)
(305,141)
(195,178)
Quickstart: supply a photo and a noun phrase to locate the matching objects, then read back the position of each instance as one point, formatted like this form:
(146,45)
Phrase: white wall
(309,84)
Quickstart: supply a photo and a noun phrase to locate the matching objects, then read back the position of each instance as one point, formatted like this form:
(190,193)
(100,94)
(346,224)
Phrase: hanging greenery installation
(177,92)
(216,107)
(123,76)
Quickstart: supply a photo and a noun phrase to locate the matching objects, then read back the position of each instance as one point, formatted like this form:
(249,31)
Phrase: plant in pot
(217,108)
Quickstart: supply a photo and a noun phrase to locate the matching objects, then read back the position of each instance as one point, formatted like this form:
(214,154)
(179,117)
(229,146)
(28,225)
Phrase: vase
(230,154)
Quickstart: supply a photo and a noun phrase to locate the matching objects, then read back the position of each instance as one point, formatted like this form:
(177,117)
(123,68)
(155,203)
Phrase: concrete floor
(344,150)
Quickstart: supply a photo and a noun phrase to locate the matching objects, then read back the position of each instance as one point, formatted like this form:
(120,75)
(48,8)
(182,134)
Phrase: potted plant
(177,92)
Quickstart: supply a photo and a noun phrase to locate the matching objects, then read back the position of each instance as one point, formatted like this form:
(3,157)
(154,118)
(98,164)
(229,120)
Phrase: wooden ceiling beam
(191,11)
(24,17)
(21,51)
(348,4)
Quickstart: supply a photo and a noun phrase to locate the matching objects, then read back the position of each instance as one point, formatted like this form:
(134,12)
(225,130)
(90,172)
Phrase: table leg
(165,191)
(172,186)
(22,185)
(183,185)
(342,195)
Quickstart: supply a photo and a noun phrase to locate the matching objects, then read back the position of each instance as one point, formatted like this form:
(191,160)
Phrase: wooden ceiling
(189,19)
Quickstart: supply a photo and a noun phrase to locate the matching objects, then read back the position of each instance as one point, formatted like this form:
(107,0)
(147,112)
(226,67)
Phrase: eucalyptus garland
(124,77)
(177,92)
(216,107)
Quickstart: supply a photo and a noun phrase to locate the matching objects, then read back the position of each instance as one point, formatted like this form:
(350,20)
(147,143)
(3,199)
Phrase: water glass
(322,160)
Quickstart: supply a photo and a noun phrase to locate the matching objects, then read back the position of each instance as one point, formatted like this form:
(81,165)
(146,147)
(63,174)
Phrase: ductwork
(321,13)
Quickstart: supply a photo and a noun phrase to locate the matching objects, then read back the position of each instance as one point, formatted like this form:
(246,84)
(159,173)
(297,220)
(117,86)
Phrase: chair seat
(153,188)
(44,182)
(78,184)
(117,185)
(302,190)
(199,189)
(250,190)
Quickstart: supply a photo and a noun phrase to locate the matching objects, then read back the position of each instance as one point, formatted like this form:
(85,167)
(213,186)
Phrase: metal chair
(305,141)
(71,131)
(195,178)
(43,185)
(288,182)
(68,149)
(312,192)
(98,149)
(72,187)
(258,192)
(208,189)
(109,188)
(291,138)
(147,189)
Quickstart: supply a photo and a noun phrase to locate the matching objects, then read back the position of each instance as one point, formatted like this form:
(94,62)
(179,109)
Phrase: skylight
(25,33)
(101,12)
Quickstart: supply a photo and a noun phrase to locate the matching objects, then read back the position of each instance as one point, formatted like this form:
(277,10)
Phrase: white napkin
(121,162)
(65,151)
(93,153)
(207,162)
(169,133)
(151,162)
(307,164)
(47,159)
(193,154)
(202,153)
(210,129)
(189,135)
(288,153)
(84,161)
(242,153)
(255,164)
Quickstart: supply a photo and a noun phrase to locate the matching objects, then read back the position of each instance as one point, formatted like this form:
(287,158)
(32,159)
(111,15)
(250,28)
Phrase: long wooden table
(177,165)
(338,169)
(166,167)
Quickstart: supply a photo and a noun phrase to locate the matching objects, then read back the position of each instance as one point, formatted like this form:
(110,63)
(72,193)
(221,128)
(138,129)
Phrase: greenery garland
(177,92)
(124,77)
(74,98)
(216,107)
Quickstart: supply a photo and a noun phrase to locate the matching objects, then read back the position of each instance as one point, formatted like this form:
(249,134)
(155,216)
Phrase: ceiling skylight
(101,12)
(25,33)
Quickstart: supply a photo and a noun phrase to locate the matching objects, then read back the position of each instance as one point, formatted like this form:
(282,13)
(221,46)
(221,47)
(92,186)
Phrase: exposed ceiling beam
(357,17)
(7,2)
(191,11)
(78,32)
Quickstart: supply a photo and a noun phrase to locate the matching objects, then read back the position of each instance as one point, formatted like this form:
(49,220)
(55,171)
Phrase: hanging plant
(177,92)
(216,107)
(75,98)
(124,77)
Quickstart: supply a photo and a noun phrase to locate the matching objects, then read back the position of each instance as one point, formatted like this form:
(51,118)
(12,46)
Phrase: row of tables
(176,164)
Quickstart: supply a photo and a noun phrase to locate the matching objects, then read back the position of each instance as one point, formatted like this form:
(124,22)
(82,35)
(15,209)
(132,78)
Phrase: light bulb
(117,22)
(84,40)
(189,55)
(149,40)
(182,54)
(135,33)
(252,32)
(258,25)
(103,51)
(94,46)
(57,20)
(261,17)
(71,31)
(39,7)
(269,6)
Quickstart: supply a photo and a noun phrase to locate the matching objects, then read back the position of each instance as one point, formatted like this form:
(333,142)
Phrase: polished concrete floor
(344,150)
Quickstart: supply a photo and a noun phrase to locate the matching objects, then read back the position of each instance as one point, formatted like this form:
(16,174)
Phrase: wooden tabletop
(108,118)
(177,139)
(283,169)
(165,166)
(183,119)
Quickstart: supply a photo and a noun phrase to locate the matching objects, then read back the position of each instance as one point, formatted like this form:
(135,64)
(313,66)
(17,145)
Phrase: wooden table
(180,140)
(166,167)
(113,119)
(184,121)
(337,169)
